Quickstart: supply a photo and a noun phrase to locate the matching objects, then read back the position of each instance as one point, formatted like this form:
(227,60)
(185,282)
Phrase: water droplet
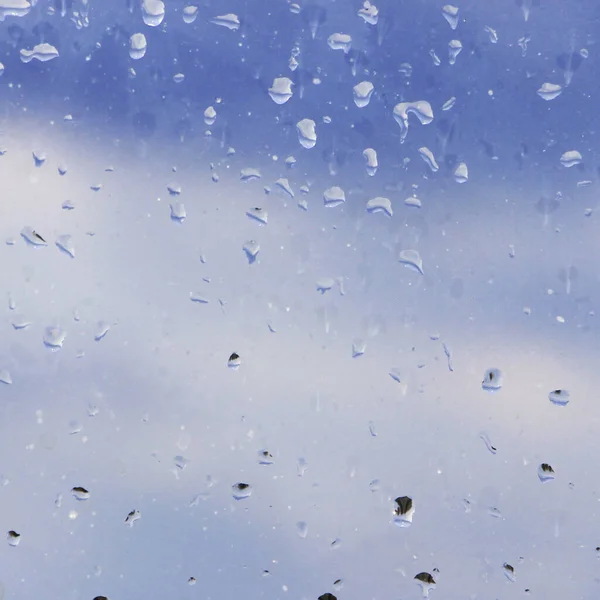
(258,214)
(324,284)
(429,158)
(435,58)
(488,443)
(426,582)
(249,174)
(153,12)
(340,41)
(307,135)
(265,457)
(68,205)
(190,14)
(449,104)
(14,8)
(492,34)
(230,21)
(334,196)
(301,466)
(422,109)
(362,93)
(241,491)
(80,493)
(137,46)
(234,361)
(359,347)
(494,512)
(403,511)
(13,538)
(281,90)
(66,245)
(370,157)
(335,544)
(251,249)
(210,115)
(284,185)
(32,237)
(454,49)
(413,202)
(509,572)
(379,204)
(493,380)
(450,13)
(302,529)
(195,297)
(571,158)
(545,472)
(178,213)
(54,337)
(559,397)
(369,13)
(132,517)
(5,377)
(372,429)
(39,158)
(192,581)
(42,52)
(102,329)
(412,260)
(375,485)
(178,77)
(461,173)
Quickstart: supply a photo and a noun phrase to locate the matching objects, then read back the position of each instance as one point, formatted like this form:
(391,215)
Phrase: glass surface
(298,300)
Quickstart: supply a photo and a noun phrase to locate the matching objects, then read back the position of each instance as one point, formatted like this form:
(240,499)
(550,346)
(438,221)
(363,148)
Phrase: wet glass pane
(298,299)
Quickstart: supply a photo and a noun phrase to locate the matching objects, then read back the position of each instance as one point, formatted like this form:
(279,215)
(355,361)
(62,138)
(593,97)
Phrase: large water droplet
(429,158)
(281,90)
(493,380)
(13,538)
(545,472)
(190,14)
(362,93)
(411,259)
(369,13)
(421,109)
(42,52)
(370,157)
(153,12)
(571,158)
(450,13)
(379,204)
(307,135)
(334,196)
(241,491)
(549,91)
(559,397)
(230,21)
(340,41)
(137,46)
(251,248)
(80,493)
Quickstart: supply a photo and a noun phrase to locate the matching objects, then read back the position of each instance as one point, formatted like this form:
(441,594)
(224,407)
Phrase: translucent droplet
(210,115)
(338,584)
(54,337)
(493,380)
(450,13)
(32,237)
(195,297)
(559,397)
(132,517)
(461,173)
(454,49)
(42,52)
(5,377)
(13,538)
(435,58)
(137,46)
(241,491)
(429,158)
(372,429)
(14,8)
(449,103)
(258,214)
(307,134)
(65,243)
(249,174)
(426,582)
(335,544)
(359,347)
(284,185)
(375,485)
(251,248)
(488,443)
(413,202)
(571,158)
(153,12)
(324,284)
(492,34)
(327,596)
(403,511)
(20,322)
(230,21)
(265,457)
(369,13)
(281,90)
(545,472)
(192,581)
(102,328)
(301,466)
(180,462)
(379,204)
(178,213)
(370,157)
(509,572)
(362,93)
(422,110)
(80,493)
(302,529)
(412,260)
(334,196)
(62,171)
(234,361)
(39,158)
(340,41)
(190,14)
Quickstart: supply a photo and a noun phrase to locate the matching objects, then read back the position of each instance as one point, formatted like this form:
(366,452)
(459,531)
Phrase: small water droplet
(302,529)
(493,379)
(559,397)
(80,493)
(241,491)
